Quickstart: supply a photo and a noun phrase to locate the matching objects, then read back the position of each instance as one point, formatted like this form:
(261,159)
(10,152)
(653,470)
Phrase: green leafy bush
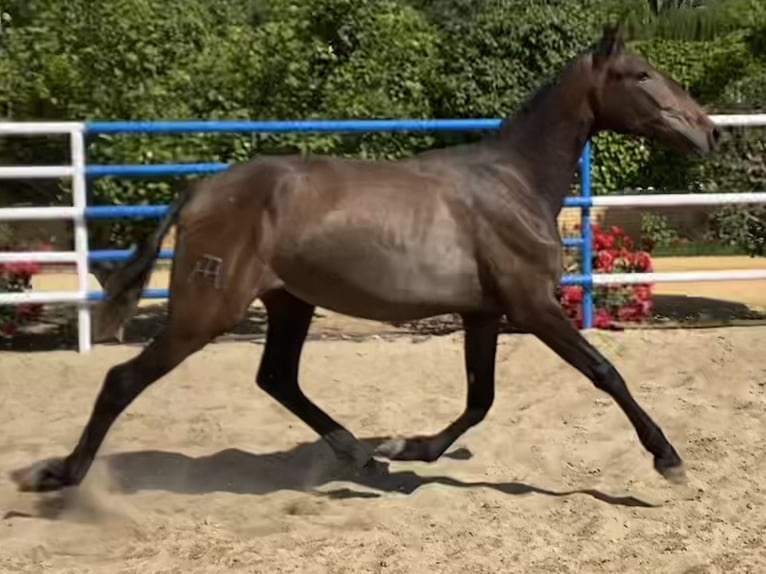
(656,231)
(741,227)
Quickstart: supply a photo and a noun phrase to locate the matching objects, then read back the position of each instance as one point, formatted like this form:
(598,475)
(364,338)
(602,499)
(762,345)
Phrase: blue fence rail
(584,201)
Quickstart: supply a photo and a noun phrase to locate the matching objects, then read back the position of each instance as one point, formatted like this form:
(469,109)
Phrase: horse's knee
(272,382)
(607,379)
(266,381)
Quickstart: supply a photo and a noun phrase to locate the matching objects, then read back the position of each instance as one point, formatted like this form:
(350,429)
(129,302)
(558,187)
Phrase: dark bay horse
(467,229)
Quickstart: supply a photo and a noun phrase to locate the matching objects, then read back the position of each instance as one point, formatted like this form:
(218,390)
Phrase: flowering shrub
(612,252)
(14,278)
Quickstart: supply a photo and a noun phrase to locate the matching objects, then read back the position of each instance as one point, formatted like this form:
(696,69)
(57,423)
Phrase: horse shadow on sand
(304,468)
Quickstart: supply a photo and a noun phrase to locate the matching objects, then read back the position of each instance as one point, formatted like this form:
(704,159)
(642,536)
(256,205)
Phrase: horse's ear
(611,44)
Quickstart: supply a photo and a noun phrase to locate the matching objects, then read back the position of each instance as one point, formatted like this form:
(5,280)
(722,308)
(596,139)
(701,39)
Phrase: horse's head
(632,97)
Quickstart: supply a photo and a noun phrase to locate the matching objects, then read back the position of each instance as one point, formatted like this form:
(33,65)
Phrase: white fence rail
(679,277)
(76,172)
(677,199)
(76,213)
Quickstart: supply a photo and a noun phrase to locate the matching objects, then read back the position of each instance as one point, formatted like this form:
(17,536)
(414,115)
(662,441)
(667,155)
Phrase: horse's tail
(122,290)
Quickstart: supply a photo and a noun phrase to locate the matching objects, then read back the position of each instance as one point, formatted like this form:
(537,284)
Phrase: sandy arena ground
(206,474)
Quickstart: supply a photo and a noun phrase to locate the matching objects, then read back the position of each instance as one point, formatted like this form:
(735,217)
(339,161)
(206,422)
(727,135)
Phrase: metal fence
(80,212)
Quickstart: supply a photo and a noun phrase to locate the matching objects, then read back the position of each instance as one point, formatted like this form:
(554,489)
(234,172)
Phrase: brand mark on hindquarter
(209,268)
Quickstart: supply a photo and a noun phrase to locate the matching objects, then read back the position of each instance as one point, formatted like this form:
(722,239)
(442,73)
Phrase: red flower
(9,330)
(601,241)
(23,270)
(644,307)
(642,293)
(605,261)
(642,261)
(602,319)
(15,277)
(631,312)
(28,310)
(571,295)
(613,251)
(628,313)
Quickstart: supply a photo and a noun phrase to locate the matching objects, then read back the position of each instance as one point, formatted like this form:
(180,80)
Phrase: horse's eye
(643,76)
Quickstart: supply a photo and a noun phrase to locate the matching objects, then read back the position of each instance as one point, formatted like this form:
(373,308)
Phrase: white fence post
(80,201)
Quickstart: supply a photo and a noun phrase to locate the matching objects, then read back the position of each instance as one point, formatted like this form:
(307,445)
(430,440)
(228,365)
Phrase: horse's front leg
(541,314)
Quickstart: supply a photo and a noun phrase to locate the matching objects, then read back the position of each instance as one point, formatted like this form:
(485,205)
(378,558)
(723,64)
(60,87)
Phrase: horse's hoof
(675,475)
(391,448)
(417,448)
(672,469)
(44,476)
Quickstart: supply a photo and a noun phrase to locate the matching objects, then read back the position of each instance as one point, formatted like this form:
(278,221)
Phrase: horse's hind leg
(198,312)
(122,384)
(479,350)
(289,319)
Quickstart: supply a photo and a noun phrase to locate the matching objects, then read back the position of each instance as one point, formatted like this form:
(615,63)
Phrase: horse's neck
(544,143)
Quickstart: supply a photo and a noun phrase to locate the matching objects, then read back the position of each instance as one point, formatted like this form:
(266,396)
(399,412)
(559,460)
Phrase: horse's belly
(366,280)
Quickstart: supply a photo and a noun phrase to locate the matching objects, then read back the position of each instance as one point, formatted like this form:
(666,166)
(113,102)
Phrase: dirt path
(205,474)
